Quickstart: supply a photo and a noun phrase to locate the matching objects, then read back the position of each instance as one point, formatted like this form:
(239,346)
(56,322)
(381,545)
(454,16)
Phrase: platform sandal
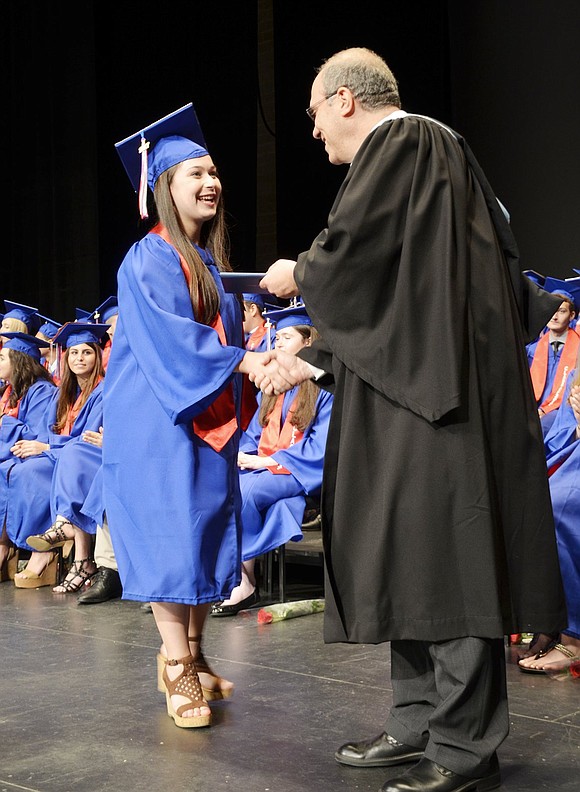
(48,577)
(78,576)
(53,538)
(186,685)
(215,693)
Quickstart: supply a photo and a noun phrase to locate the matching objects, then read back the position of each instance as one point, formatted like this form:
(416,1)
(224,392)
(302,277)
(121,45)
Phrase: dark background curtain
(79,77)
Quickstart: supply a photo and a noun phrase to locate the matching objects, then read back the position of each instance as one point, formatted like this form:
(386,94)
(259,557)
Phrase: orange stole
(4,410)
(539,369)
(217,424)
(274,437)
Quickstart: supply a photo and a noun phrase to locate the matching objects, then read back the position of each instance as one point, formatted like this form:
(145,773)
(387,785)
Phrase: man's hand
(283,372)
(279,279)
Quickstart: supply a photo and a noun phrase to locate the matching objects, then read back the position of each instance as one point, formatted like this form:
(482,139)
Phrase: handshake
(275,371)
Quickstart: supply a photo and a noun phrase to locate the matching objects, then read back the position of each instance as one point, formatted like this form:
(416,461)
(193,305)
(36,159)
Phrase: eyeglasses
(311,111)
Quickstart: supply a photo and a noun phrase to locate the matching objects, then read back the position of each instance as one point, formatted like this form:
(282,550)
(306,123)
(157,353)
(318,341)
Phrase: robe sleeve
(250,439)
(182,360)
(90,418)
(31,422)
(305,459)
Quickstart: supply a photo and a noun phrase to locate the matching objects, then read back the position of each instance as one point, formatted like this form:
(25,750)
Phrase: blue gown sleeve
(163,335)
(90,419)
(250,439)
(31,422)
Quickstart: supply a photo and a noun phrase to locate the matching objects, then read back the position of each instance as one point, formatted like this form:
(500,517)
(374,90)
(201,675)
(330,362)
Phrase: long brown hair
(69,386)
(307,395)
(25,372)
(203,291)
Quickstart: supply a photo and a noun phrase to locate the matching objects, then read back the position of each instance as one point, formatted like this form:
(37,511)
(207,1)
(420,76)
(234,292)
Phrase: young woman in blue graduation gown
(24,398)
(172,418)
(281,460)
(25,486)
(563,460)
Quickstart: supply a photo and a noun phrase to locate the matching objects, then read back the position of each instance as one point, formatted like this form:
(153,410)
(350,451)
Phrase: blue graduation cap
(22,342)
(534,276)
(106,310)
(570,287)
(289,317)
(24,313)
(81,314)
(49,328)
(255,298)
(73,333)
(157,147)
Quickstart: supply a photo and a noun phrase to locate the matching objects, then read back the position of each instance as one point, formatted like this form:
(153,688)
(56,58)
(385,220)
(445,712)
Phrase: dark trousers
(450,698)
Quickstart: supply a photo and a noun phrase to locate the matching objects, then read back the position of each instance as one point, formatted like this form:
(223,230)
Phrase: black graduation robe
(437,520)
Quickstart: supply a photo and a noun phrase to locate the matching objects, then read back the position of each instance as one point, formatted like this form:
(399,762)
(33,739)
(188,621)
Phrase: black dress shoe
(219,609)
(381,751)
(106,585)
(428,776)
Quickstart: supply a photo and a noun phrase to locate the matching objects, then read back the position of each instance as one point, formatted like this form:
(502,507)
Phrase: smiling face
(195,189)
(81,360)
(5,365)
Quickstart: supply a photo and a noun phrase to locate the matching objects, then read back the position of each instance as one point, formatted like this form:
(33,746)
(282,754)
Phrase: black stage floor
(80,710)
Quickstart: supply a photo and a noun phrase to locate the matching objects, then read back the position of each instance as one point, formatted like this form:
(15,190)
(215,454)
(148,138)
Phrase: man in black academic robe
(435,506)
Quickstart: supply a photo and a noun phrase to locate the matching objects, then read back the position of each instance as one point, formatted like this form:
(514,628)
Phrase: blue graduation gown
(563,447)
(172,501)
(273,504)
(75,469)
(31,422)
(25,485)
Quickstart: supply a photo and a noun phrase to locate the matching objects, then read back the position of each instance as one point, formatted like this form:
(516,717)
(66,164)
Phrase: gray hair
(365,73)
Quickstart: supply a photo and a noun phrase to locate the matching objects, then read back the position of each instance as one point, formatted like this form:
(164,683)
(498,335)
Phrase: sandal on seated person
(186,685)
(78,576)
(55,537)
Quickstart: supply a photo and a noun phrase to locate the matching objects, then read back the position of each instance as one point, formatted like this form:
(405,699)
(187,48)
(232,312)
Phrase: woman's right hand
(27,448)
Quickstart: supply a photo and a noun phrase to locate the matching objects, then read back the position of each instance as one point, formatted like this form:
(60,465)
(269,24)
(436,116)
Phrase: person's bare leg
(247,584)
(173,621)
(38,562)
(83,560)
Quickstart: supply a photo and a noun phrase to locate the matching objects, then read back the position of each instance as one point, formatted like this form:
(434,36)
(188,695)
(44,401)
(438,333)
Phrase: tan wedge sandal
(53,538)
(186,685)
(216,692)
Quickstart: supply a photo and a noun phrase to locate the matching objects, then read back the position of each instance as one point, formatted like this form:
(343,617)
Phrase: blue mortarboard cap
(73,333)
(49,327)
(159,146)
(254,298)
(105,310)
(24,313)
(536,277)
(567,288)
(22,342)
(289,317)
(81,314)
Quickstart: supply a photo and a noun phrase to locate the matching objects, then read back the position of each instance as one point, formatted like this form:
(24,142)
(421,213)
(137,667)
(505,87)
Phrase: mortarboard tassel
(143,181)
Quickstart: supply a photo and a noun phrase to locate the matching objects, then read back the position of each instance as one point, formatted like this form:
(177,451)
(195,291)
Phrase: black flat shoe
(428,776)
(381,751)
(106,585)
(219,609)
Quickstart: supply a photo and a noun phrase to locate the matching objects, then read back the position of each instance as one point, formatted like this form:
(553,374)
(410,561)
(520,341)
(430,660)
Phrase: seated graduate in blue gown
(259,333)
(281,459)
(172,409)
(26,482)
(563,461)
(24,399)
